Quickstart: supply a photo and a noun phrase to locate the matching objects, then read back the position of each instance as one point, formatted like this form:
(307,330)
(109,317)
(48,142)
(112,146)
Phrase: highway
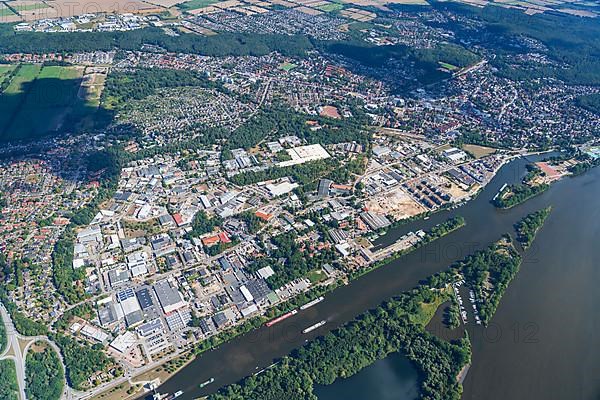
(14,352)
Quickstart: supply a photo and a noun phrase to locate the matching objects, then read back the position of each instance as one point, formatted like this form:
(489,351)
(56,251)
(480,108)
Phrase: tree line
(395,326)
(528,227)
(516,194)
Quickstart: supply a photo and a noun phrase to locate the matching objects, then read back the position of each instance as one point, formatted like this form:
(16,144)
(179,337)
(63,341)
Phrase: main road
(15,352)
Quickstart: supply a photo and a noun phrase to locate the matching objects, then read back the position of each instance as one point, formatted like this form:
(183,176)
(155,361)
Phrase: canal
(494,361)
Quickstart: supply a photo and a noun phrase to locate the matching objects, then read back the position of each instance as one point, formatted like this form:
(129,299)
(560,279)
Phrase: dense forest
(424,62)
(591,102)
(224,44)
(569,40)
(528,227)
(44,375)
(9,389)
(397,325)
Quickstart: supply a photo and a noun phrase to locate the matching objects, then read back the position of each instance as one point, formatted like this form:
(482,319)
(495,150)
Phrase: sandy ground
(165,3)
(396,203)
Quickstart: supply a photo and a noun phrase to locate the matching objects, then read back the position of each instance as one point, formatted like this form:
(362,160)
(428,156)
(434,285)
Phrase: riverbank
(532,329)
(172,367)
(239,358)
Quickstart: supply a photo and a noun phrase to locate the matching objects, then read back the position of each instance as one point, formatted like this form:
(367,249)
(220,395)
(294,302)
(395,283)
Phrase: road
(14,352)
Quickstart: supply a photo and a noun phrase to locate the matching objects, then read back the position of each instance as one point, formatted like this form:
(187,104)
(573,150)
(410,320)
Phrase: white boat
(312,303)
(315,326)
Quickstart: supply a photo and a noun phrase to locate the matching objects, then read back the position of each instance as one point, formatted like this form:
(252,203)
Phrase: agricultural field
(330,7)
(195,4)
(41,100)
(478,151)
(5,11)
(5,72)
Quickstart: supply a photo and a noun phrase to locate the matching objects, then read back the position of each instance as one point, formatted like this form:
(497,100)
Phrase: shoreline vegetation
(397,325)
(173,366)
(530,225)
(436,232)
(489,272)
(513,195)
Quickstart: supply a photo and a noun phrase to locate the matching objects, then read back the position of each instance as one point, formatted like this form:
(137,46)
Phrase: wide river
(543,342)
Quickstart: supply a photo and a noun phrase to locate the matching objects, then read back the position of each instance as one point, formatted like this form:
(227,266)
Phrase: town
(192,198)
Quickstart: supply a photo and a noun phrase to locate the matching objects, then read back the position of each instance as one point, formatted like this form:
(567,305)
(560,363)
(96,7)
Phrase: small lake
(393,378)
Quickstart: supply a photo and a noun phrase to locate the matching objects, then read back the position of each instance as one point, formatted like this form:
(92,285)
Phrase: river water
(545,343)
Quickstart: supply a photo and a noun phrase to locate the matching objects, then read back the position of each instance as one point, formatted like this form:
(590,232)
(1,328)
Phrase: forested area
(488,272)
(396,325)
(528,227)
(121,87)
(80,361)
(590,102)
(63,273)
(9,388)
(224,44)
(516,194)
(306,175)
(425,61)
(569,39)
(44,376)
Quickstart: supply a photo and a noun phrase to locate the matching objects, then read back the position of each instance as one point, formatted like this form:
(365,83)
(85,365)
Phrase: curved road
(14,352)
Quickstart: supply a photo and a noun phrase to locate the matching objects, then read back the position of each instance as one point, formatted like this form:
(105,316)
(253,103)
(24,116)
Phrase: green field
(449,67)
(287,66)
(30,7)
(6,12)
(195,4)
(40,100)
(4,71)
(330,7)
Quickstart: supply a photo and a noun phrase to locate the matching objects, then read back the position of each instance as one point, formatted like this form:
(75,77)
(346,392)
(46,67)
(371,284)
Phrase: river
(494,366)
